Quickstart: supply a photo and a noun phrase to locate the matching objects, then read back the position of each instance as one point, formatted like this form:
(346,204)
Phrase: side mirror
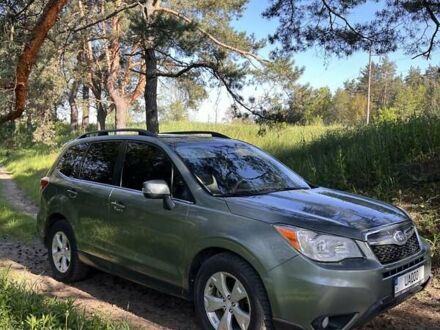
(158,189)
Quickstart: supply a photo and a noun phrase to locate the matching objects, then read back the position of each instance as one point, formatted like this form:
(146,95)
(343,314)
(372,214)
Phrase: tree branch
(139,89)
(427,53)
(116,12)
(29,54)
(347,23)
(243,53)
(177,74)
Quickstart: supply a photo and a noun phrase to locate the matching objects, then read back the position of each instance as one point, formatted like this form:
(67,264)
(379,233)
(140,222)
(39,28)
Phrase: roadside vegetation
(21,308)
(14,224)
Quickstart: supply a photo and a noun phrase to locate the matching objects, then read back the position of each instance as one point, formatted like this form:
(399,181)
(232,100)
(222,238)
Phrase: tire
(233,271)
(72,270)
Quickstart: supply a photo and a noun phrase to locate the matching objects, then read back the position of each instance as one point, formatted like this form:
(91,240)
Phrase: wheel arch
(50,221)
(222,246)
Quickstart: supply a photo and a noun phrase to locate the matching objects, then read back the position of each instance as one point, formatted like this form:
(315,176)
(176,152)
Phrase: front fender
(255,241)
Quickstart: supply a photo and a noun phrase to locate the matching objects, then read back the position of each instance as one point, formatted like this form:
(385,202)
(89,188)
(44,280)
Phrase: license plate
(405,282)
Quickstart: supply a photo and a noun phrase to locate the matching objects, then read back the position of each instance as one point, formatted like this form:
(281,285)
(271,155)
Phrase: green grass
(28,166)
(374,159)
(274,141)
(23,308)
(15,224)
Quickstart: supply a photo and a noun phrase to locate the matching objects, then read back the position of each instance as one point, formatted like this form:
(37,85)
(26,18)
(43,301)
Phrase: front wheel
(229,295)
(63,254)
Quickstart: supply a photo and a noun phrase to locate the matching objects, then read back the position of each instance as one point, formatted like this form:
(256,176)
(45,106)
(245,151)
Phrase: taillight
(44,182)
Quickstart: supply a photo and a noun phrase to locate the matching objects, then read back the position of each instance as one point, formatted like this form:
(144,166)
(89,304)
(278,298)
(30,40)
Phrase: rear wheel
(229,295)
(63,254)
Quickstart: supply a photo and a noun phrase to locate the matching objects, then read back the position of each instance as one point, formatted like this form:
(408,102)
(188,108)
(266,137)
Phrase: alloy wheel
(61,252)
(227,303)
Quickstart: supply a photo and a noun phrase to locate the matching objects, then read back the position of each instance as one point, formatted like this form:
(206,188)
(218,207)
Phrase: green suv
(218,221)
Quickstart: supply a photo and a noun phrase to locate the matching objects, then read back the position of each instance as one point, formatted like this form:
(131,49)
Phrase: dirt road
(119,299)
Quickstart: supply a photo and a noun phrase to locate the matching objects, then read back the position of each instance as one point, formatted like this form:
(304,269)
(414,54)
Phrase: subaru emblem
(399,237)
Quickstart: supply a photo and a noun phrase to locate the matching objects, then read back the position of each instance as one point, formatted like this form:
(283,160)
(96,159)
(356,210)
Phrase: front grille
(399,269)
(389,253)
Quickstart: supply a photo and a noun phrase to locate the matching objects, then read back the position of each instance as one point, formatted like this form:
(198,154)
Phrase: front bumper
(303,292)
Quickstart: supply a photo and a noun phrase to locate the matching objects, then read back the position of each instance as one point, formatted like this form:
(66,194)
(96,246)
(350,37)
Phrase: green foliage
(392,97)
(373,158)
(175,111)
(21,308)
(342,27)
(387,114)
(28,167)
(14,224)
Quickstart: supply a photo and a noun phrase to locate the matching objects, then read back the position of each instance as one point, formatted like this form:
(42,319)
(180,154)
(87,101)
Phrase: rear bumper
(302,293)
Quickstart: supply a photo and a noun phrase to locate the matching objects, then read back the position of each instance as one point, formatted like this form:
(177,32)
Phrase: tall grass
(370,159)
(374,158)
(21,308)
(28,166)
(15,224)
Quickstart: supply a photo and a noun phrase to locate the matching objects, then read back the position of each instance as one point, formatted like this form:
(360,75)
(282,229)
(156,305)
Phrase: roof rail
(213,134)
(107,132)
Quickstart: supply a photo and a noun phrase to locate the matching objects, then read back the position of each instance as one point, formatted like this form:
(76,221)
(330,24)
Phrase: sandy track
(119,299)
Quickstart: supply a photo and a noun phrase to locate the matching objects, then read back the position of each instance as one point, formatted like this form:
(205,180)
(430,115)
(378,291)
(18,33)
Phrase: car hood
(324,210)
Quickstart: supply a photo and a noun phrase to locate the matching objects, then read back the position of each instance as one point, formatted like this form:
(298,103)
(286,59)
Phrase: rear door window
(70,162)
(100,161)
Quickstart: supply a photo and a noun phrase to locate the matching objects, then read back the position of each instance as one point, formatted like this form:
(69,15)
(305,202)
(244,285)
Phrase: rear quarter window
(100,162)
(70,162)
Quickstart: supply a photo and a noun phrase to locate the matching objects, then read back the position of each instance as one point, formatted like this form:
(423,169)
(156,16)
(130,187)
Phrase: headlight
(320,247)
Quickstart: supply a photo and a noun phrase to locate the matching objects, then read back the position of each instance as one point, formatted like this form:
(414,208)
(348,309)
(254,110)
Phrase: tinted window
(179,189)
(144,162)
(235,168)
(99,162)
(70,162)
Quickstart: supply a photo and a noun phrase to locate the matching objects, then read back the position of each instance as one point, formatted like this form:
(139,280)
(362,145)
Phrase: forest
(92,69)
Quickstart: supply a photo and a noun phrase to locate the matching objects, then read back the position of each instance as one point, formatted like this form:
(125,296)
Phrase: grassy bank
(373,159)
(28,166)
(14,224)
(23,308)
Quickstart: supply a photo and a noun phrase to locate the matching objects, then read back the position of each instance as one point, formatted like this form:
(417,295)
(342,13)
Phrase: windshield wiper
(287,189)
(259,192)
(239,194)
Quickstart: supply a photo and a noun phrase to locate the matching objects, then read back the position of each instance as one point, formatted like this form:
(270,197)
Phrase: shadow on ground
(164,310)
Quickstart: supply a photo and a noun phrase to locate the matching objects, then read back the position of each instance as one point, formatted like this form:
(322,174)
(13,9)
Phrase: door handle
(72,193)
(118,207)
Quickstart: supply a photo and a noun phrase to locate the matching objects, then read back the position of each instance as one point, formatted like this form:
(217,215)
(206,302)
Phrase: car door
(66,182)
(92,190)
(151,239)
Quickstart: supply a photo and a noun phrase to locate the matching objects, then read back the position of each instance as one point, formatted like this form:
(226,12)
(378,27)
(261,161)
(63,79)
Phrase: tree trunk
(29,54)
(86,106)
(73,106)
(121,110)
(101,116)
(101,111)
(150,94)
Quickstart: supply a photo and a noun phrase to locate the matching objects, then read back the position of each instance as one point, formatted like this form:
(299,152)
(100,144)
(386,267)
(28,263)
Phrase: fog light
(332,322)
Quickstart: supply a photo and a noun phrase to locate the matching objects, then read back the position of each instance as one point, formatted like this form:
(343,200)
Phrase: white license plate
(409,280)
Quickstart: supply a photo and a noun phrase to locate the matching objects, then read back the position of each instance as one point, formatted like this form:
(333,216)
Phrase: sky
(319,71)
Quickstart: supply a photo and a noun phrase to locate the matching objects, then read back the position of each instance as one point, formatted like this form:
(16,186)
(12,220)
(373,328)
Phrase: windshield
(237,169)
